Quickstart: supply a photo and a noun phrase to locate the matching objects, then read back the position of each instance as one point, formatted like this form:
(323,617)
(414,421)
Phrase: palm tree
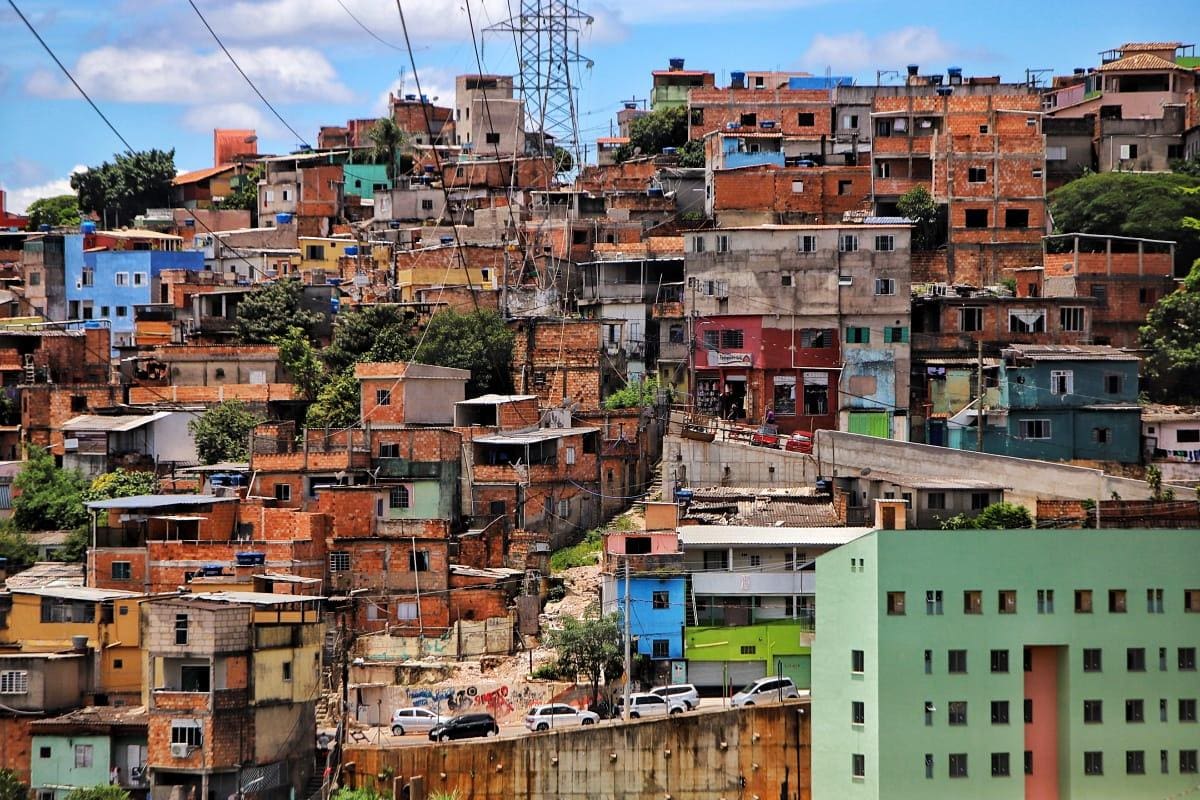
(387,141)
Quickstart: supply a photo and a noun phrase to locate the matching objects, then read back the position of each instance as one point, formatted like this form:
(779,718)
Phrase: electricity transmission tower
(546,36)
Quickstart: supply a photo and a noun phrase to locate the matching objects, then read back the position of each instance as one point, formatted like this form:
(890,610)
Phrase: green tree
(918,205)
(15,546)
(337,403)
(478,341)
(1190,166)
(121,483)
(244,194)
(133,182)
(269,312)
(102,792)
(1002,516)
(355,333)
(1151,205)
(1171,339)
(590,646)
(634,395)
(563,160)
(691,153)
(649,134)
(59,211)
(387,142)
(11,787)
(222,433)
(300,358)
(49,499)
(74,550)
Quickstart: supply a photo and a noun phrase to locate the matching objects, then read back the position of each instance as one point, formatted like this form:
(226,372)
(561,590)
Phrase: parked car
(766,690)
(557,715)
(683,692)
(765,436)
(406,720)
(464,727)
(644,704)
(799,442)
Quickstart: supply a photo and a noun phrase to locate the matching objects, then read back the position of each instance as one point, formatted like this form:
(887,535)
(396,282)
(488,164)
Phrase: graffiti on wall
(502,701)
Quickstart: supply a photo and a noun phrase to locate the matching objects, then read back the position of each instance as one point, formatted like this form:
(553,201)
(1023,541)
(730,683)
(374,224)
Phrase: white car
(766,690)
(686,693)
(420,720)
(557,715)
(644,704)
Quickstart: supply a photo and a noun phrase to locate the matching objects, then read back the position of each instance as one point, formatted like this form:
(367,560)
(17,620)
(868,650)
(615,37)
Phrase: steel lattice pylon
(546,35)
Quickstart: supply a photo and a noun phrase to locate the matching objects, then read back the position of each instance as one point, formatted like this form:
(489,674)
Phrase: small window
(283,492)
(1135,711)
(660,648)
(976,218)
(1093,762)
(121,278)
(885,244)
(1135,762)
(1034,428)
(1112,384)
(785,279)
(1007,601)
(187,732)
(1187,709)
(798,188)
(1191,601)
(1187,659)
(181,629)
(970,319)
(935,501)
(121,570)
(118,663)
(383,397)
(1091,659)
(398,497)
(1016,218)
(1071,319)
(732,339)
(999,661)
(749,649)
(848,243)
(1187,762)
(980,500)
(14,681)
(976,174)
(808,244)
(895,603)
(1000,765)
(858,765)
(1028,762)
(928,662)
(844,188)
(1135,659)
(956,662)
(806,119)
(857,661)
(1062,381)
(287,670)
(139,279)
(933,602)
(999,712)
(858,712)
(1116,601)
(1027,710)
(858,335)
(722,243)
(1093,712)
(1128,151)
(958,765)
(122,311)
(1045,601)
(885,286)
(957,712)
(662,600)
(339,562)
(83,756)
(972,602)
(1083,601)
(492,137)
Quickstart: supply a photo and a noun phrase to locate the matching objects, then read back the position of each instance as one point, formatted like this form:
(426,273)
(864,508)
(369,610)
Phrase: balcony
(120,537)
(754,583)
(646,564)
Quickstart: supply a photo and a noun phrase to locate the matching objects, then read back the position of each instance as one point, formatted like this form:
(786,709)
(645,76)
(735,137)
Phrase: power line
(242,72)
(369,32)
(70,77)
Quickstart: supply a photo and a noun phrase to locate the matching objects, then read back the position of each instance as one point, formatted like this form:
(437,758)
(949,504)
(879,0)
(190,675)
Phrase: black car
(465,727)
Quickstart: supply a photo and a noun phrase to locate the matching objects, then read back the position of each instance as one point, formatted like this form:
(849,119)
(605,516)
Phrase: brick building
(796,113)
(766,194)
(571,360)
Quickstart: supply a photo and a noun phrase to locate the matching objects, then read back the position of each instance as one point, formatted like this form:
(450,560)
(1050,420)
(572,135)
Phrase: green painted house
(91,746)
(363,180)
(1047,664)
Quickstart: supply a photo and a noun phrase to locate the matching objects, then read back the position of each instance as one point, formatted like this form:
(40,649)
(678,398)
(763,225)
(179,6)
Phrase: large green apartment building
(1042,664)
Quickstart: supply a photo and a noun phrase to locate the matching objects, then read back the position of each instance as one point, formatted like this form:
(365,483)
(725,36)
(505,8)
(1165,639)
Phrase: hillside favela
(566,400)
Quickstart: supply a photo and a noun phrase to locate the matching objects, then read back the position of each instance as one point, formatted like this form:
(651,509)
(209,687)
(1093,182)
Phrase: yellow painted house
(47,619)
(322,253)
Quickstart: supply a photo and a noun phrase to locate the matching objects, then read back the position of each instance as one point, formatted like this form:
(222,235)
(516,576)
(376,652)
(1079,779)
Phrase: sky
(159,76)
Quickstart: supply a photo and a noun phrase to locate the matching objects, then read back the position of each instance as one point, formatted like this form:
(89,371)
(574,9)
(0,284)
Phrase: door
(870,423)
(889,517)
(712,673)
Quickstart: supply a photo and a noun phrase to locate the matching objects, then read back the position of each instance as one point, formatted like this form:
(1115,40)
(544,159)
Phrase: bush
(635,395)
(546,672)
(583,554)
(1002,516)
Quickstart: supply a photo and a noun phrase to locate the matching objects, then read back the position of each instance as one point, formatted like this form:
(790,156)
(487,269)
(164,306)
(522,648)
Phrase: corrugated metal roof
(532,437)
(716,535)
(85,593)
(47,573)
(495,399)
(114,424)
(253,598)
(147,501)
(1069,352)
(912,481)
(888,221)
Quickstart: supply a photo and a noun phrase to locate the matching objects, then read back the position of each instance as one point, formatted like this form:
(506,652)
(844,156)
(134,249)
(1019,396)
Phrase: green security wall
(773,642)
(894,686)
(59,769)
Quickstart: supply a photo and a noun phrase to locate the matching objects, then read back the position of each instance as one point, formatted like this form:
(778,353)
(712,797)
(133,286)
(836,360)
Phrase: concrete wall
(694,756)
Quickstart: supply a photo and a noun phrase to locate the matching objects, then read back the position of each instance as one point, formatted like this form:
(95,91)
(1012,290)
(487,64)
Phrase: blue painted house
(657,591)
(1059,403)
(109,272)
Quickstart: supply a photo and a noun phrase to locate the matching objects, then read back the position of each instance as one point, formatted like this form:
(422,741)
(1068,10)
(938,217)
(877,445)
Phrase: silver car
(415,719)
(766,690)
(558,715)
(644,704)
(683,692)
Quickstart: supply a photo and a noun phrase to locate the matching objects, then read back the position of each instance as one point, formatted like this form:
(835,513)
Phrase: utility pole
(979,396)
(628,676)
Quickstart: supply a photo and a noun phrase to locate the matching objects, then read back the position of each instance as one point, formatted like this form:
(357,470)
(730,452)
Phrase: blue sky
(157,74)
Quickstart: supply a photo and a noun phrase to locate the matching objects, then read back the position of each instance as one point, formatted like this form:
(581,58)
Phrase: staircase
(689,610)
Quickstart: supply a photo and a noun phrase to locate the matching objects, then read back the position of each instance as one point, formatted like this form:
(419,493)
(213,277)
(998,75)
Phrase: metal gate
(711,673)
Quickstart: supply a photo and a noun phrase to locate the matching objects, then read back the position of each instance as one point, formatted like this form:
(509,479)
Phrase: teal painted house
(1058,403)
(1041,664)
(91,746)
(363,180)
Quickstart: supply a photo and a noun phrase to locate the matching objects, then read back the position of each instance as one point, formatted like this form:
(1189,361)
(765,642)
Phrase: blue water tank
(670,151)
(283,219)
(250,559)
(44,228)
(655,191)
(429,168)
(189,223)
(87,227)
(352,250)
(447,240)
(394,224)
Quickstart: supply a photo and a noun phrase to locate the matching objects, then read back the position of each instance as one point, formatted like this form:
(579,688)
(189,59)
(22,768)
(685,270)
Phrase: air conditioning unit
(180,749)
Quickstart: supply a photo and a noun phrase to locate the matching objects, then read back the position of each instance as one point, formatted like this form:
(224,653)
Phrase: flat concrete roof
(735,535)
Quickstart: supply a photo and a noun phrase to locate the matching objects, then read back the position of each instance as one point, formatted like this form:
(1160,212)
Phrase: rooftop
(253,598)
(1156,412)
(1068,352)
(46,573)
(732,535)
(113,424)
(1140,62)
(84,593)
(532,437)
(149,501)
(495,399)
(197,175)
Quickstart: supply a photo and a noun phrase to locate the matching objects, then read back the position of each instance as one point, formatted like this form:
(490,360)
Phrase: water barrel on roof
(283,219)
(87,227)
(250,559)
(352,250)
(44,228)
(447,240)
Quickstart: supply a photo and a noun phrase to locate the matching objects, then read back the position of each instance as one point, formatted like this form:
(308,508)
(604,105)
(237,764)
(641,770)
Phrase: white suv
(683,692)
(557,715)
(644,704)
(766,690)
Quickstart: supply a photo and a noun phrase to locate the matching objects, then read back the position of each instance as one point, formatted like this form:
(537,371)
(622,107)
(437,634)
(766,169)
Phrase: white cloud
(634,12)
(855,51)
(206,118)
(136,75)
(19,199)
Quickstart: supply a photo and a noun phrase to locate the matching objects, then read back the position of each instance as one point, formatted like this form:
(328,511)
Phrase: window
(383,397)
(857,661)
(121,570)
(564,509)
(935,500)
(785,279)
(187,732)
(118,663)
(844,189)
(885,286)
(103,312)
(858,335)
(858,765)
(122,311)
(1007,601)
(808,244)
(1028,762)
(181,629)
(883,169)
(1056,152)
(14,681)
(1135,659)
(895,603)
(732,340)
(1162,710)
(407,611)
(885,244)
(956,662)
(1135,711)
(850,121)
(847,243)
(1100,293)
(806,119)
(1162,659)
(895,335)
(83,756)
(1191,600)
(660,648)
(957,712)
(970,319)
(1083,601)
(928,662)
(418,561)
(139,279)
(427,205)
(976,174)
(1016,218)
(1034,428)
(491,137)
(722,243)
(121,278)
(339,562)
(1187,762)
(976,218)
(398,497)
(35,279)
(1116,601)
(1062,381)
(933,601)
(749,120)
(972,601)
(1029,321)
(784,394)
(958,765)
(712,339)
(1135,762)
(1187,659)
(1045,601)
(662,600)
(1093,762)
(929,766)
(1000,765)
(1091,659)
(1071,319)
(999,661)
(749,649)
(1129,151)
(698,244)
(1154,601)
(87,277)
(858,712)
(1027,710)
(44,752)
(999,712)
(1187,710)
